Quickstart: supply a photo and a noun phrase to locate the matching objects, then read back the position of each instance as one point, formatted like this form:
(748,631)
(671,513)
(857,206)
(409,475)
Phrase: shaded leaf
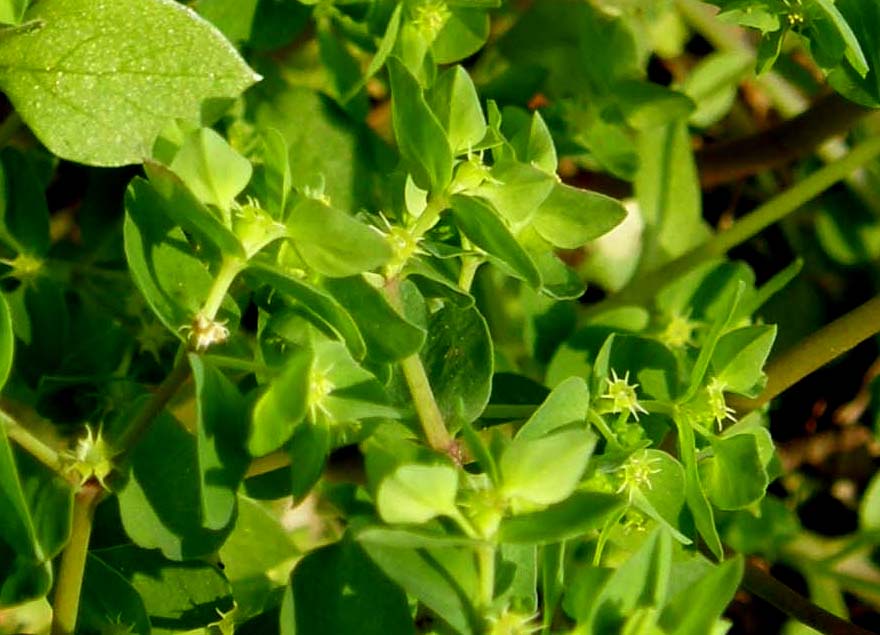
(338,589)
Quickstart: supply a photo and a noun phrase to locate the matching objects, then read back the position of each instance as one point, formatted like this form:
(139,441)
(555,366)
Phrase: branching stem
(65,603)
(164,393)
(430,417)
(800,608)
(642,289)
(815,351)
(32,444)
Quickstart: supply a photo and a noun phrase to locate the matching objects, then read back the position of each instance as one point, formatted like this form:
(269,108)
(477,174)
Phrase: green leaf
(309,448)
(641,581)
(221,415)
(276,173)
(163,264)
(27,573)
(664,496)
(668,192)
(109,601)
(25,215)
(49,498)
(420,136)
(388,335)
(730,303)
(825,16)
(319,306)
(338,589)
(458,359)
(453,99)
(7,341)
(332,242)
(646,105)
(324,143)
(234,19)
(171,198)
(696,499)
(577,515)
(417,493)
(516,190)
(739,359)
(463,34)
(442,578)
(283,406)
(735,476)
(712,593)
(570,217)
(257,557)
(342,70)
(769,50)
(712,84)
(211,169)
(12,11)
(177,596)
(545,470)
(93,97)
(864,20)
(516,577)
(567,404)
(410,538)
(162,509)
(386,45)
(530,138)
(355,393)
(482,226)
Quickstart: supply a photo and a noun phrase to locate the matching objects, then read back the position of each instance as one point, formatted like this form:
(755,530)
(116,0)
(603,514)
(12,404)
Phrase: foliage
(346,274)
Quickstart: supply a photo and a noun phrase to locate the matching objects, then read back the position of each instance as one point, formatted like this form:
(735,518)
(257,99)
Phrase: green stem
(610,438)
(32,444)
(10,126)
(765,586)
(429,216)
(229,268)
(65,602)
(645,287)
(430,417)
(815,351)
(166,390)
(486,568)
(469,266)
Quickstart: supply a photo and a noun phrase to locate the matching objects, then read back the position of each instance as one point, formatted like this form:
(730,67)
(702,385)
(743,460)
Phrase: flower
(635,473)
(717,405)
(623,395)
(679,331)
(92,458)
(204,333)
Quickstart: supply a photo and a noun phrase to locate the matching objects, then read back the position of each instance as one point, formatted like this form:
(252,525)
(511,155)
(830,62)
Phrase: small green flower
(679,331)
(513,623)
(430,17)
(92,458)
(25,267)
(718,407)
(623,395)
(255,228)
(635,473)
(320,386)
